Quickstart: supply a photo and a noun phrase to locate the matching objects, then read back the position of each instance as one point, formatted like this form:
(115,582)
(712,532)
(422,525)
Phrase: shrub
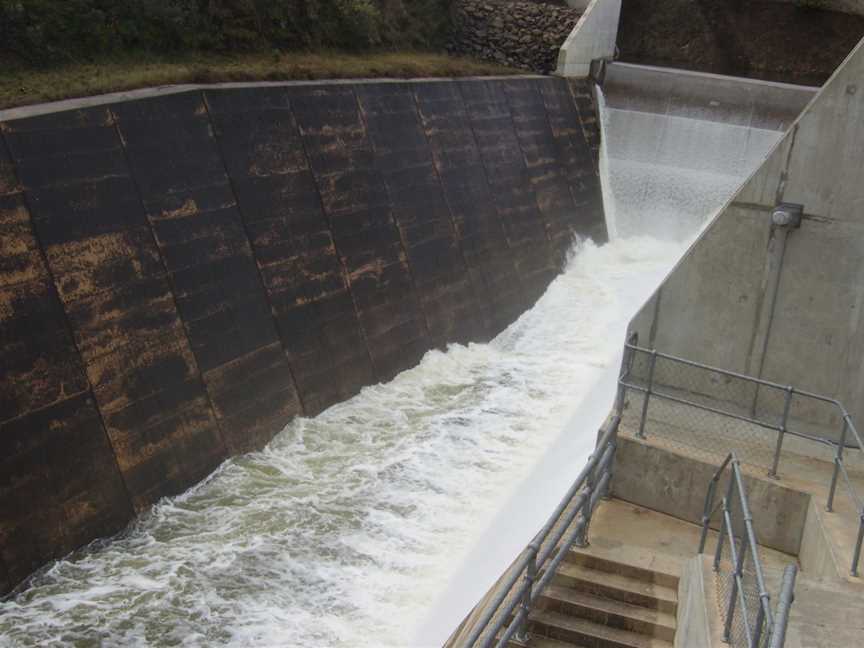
(52,31)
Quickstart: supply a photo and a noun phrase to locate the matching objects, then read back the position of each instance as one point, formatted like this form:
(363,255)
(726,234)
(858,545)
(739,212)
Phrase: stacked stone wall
(525,35)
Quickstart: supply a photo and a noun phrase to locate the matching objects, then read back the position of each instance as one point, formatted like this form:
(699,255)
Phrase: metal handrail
(766,622)
(849,436)
(523,587)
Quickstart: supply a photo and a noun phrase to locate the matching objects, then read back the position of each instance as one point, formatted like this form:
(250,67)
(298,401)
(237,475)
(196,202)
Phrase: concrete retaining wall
(593,37)
(717,307)
(676,485)
(183,273)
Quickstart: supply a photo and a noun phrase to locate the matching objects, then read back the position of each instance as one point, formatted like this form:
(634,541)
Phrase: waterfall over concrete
(382,520)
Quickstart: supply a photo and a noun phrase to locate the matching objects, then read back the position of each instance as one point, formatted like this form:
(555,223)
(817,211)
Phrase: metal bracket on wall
(787,215)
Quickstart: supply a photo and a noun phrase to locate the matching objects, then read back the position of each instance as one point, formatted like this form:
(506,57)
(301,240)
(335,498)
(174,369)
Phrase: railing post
(651,366)
(521,634)
(718,550)
(581,539)
(706,513)
(838,458)
(856,557)
(626,361)
(781,432)
(784,606)
(733,593)
(757,627)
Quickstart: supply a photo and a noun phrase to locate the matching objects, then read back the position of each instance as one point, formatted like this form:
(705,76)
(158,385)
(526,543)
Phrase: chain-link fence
(742,597)
(707,412)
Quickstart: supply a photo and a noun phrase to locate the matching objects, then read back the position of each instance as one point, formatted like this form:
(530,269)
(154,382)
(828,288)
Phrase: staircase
(594,602)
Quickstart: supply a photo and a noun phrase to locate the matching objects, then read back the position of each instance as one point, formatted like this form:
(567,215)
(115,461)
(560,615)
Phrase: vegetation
(24,85)
(46,32)
(53,49)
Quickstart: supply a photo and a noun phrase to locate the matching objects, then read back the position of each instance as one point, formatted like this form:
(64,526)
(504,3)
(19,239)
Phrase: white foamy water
(382,520)
(668,174)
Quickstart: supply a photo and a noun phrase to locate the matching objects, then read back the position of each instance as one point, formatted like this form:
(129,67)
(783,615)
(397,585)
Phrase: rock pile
(519,34)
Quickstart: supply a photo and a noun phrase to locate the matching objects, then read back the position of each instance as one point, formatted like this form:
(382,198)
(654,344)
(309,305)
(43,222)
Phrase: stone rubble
(525,35)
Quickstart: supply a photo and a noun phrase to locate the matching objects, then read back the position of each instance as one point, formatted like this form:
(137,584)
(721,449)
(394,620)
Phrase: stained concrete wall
(716,306)
(184,272)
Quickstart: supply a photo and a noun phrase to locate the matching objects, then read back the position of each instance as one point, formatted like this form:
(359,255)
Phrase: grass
(21,85)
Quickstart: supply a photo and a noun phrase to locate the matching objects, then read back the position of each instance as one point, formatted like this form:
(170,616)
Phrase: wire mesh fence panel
(702,434)
(748,627)
(708,412)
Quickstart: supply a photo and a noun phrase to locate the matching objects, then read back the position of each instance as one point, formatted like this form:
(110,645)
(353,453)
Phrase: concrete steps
(609,612)
(580,632)
(595,601)
(619,587)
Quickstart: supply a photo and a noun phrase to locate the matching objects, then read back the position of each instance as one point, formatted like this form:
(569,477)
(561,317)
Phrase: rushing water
(350,529)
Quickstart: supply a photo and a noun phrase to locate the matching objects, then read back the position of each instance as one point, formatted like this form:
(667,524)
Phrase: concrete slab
(789,510)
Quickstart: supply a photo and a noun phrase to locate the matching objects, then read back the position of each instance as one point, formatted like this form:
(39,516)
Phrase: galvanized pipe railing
(766,623)
(849,435)
(506,614)
(784,606)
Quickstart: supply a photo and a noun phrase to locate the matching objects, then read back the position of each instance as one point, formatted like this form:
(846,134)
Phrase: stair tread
(618,581)
(596,630)
(610,606)
(536,641)
(546,642)
(631,557)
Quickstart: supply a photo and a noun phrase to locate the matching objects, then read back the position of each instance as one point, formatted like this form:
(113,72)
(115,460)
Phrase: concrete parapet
(676,484)
(593,38)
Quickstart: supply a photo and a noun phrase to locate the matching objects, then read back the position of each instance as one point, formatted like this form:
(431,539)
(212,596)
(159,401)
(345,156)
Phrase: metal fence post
(651,366)
(626,362)
(581,539)
(838,458)
(733,593)
(760,620)
(781,432)
(856,557)
(718,550)
(521,634)
(706,513)
(784,606)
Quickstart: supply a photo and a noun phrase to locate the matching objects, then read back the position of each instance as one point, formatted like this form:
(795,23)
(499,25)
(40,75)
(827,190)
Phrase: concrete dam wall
(783,304)
(184,273)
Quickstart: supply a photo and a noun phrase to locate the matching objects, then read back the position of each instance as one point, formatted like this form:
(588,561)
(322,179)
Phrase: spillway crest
(349,526)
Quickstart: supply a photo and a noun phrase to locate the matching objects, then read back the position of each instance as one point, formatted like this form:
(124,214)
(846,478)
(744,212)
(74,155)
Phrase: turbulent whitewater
(351,528)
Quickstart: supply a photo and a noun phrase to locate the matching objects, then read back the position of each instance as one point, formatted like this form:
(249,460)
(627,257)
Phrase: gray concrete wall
(715,306)
(676,485)
(593,37)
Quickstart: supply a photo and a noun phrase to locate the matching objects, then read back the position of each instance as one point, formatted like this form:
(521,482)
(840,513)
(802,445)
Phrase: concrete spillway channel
(746,358)
(369,523)
(374,327)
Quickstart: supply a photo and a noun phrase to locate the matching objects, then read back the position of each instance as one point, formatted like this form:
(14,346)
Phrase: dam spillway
(347,526)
